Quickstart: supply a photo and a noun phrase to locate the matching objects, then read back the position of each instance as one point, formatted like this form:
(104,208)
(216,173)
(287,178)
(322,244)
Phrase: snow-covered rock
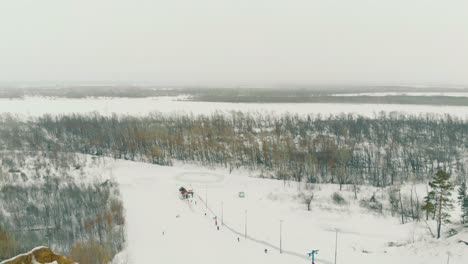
(39,255)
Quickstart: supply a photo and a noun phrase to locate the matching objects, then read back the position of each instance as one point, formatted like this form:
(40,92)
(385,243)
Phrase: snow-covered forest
(344,149)
(59,200)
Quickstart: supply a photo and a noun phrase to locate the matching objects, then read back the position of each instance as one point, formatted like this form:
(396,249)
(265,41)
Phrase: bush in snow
(306,199)
(371,204)
(451,232)
(90,252)
(338,199)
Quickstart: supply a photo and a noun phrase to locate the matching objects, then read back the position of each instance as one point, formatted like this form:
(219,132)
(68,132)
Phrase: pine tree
(428,205)
(438,200)
(463,202)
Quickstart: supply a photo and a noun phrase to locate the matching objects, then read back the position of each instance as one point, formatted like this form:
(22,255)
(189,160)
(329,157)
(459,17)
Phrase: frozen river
(37,106)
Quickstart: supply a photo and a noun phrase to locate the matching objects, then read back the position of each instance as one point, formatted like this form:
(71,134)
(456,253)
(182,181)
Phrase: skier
(238,239)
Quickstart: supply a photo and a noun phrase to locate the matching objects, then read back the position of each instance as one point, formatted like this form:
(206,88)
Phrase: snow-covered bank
(38,106)
(164,229)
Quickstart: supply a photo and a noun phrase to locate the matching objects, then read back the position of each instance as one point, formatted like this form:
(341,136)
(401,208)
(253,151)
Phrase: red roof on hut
(182,190)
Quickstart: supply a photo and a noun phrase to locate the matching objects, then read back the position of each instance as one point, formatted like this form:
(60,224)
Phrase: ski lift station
(184,193)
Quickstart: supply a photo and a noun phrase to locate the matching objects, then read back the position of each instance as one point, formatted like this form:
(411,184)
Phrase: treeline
(344,149)
(86,91)
(359,99)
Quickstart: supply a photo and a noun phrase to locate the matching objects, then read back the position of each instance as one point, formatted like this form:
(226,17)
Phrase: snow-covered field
(37,106)
(162,228)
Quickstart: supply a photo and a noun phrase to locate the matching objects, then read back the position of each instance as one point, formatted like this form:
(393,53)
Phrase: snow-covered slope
(153,207)
(162,228)
(31,168)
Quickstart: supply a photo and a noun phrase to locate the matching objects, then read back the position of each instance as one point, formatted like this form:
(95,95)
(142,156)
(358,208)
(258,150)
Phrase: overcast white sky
(235,42)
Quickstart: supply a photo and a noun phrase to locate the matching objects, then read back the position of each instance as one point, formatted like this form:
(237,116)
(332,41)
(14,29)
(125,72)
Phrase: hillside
(163,228)
(150,194)
(65,201)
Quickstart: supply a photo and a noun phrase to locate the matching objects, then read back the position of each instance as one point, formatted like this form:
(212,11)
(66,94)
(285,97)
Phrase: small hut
(184,193)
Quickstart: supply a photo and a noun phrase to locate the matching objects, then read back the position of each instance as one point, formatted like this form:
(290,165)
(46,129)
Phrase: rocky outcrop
(40,255)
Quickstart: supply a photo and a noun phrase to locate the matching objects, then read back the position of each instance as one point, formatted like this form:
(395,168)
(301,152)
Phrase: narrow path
(259,241)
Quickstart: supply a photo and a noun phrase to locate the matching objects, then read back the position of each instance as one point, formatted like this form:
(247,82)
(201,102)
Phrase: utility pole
(336,243)
(206,197)
(245,225)
(281,238)
(222,213)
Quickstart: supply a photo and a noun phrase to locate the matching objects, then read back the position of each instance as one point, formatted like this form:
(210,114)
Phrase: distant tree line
(342,149)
